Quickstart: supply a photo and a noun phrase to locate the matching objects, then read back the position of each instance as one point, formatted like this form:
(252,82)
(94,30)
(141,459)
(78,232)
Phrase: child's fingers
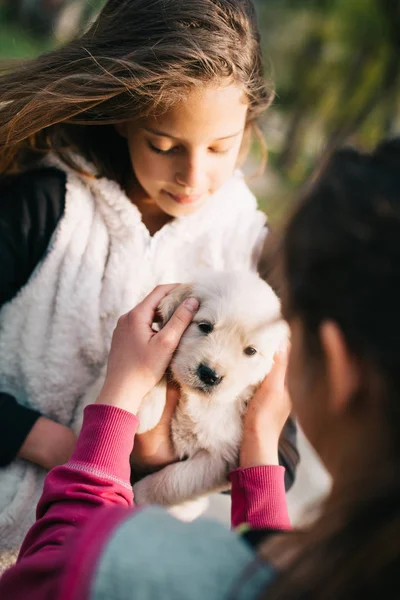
(172,332)
(152,300)
(275,380)
(173,395)
(145,310)
(154,447)
(272,392)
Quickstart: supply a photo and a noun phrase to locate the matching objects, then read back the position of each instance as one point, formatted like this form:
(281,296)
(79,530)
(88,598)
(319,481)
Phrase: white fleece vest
(55,334)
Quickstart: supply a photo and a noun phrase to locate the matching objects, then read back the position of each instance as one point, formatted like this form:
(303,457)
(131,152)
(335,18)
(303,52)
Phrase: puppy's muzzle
(208,376)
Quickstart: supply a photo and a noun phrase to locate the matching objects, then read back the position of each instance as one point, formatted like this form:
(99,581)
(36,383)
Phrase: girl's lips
(186,199)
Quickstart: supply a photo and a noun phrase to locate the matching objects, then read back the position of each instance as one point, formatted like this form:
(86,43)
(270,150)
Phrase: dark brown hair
(341,256)
(136,60)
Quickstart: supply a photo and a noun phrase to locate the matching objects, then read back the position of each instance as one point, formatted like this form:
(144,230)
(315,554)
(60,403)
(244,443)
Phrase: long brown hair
(136,60)
(341,256)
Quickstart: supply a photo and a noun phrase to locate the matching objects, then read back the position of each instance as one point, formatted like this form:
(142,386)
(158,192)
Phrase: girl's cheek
(291,382)
(224,172)
(147,163)
(296,378)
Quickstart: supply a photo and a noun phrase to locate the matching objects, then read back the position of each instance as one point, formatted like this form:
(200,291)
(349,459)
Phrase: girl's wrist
(259,451)
(120,397)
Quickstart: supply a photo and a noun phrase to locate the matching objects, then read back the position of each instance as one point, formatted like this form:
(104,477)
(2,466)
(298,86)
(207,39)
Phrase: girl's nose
(191,174)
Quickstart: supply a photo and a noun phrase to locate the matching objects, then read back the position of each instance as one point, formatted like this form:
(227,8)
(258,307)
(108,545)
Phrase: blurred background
(335,64)
(336,68)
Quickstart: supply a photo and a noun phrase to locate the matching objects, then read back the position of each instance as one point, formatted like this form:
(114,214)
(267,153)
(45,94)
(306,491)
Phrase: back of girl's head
(341,256)
(136,60)
(342,259)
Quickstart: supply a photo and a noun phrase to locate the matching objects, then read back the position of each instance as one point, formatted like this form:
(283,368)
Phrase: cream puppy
(222,357)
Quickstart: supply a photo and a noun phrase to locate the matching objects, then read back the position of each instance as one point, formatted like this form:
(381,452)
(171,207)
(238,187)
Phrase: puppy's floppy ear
(170,303)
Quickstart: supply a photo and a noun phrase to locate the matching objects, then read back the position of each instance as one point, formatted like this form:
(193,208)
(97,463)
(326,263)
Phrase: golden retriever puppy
(223,356)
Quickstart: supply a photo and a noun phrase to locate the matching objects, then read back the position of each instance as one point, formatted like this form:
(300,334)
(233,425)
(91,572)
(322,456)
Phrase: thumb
(179,321)
(276,379)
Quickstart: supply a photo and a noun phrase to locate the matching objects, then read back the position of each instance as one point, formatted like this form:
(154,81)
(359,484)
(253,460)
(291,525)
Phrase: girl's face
(182,157)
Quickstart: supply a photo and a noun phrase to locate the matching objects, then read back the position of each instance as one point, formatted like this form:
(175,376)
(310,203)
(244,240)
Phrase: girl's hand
(265,418)
(154,448)
(138,356)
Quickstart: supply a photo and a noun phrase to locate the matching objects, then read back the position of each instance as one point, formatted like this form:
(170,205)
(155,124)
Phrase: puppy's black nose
(207,375)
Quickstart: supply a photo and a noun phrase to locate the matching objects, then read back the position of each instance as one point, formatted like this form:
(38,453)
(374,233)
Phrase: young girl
(342,275)
(118,155)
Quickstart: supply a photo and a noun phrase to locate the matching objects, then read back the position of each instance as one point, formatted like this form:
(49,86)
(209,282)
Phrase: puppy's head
(229,347)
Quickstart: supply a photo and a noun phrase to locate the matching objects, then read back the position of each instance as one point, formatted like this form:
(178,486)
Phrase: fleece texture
(55,334)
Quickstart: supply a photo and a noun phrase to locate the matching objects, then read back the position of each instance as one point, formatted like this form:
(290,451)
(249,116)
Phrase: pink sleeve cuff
(259,497)
(106,441)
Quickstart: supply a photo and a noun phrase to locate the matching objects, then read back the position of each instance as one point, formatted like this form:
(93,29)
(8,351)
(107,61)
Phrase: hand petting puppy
(138,356)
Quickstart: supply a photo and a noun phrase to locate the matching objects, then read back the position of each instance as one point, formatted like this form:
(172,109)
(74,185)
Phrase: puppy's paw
(190,510)
(143,492)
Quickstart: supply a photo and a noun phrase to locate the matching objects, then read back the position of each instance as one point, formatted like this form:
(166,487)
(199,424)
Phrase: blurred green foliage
(337,69)
(15,42)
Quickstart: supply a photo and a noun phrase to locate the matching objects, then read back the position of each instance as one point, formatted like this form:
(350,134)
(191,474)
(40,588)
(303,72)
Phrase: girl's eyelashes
(213,151)
(176,149)
(160,151)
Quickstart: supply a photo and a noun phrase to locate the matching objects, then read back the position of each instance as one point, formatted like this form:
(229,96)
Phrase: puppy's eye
(250,351)
(205,327)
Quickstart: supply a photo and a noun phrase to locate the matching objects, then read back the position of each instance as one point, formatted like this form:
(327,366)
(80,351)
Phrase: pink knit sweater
(86,499)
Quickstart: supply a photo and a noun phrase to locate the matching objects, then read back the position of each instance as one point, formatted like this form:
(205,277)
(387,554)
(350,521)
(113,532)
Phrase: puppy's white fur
(243,312)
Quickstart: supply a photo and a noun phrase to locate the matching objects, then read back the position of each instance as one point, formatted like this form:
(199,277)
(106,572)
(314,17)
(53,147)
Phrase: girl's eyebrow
(163,134)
